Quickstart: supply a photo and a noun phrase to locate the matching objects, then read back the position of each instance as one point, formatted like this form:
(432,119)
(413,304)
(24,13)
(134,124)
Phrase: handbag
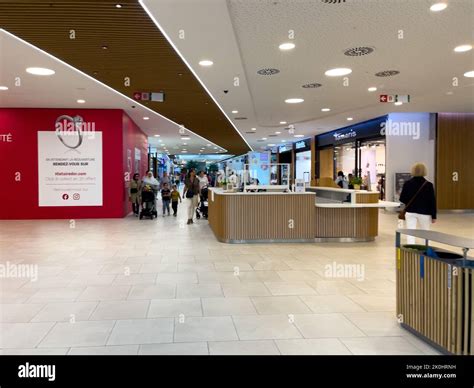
(190,193)
(402,213)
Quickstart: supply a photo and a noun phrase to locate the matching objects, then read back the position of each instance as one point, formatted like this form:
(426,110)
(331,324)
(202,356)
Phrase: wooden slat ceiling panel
(136,49)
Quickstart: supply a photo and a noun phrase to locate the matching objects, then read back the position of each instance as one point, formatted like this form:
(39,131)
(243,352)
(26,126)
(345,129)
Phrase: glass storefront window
(345,158)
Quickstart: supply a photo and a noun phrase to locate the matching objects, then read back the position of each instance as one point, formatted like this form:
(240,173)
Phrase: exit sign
(394,98)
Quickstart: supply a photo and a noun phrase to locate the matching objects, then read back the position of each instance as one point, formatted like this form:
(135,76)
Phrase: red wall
(19,199)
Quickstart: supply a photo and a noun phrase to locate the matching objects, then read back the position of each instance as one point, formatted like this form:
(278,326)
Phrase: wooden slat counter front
(293,217)
(268,217)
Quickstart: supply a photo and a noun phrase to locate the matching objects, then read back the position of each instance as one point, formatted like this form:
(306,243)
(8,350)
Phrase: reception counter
(312,216)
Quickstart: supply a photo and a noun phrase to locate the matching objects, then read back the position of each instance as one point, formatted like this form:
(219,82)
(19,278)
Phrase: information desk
(238,217)
(435,291)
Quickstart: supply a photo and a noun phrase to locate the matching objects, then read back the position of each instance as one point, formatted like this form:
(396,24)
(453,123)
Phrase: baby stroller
(202,209)
(148,203)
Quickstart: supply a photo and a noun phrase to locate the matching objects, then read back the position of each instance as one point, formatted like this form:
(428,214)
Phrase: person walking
(134,193)
(165,179)
(191,193)
(420,202)
(175,197)
(166,198)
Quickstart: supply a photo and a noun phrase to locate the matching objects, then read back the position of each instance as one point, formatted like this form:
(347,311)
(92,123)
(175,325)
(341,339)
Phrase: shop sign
(284,148)
(301,144)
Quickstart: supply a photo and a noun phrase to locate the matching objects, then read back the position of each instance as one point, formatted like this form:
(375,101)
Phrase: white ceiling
(242,36)
(68,84)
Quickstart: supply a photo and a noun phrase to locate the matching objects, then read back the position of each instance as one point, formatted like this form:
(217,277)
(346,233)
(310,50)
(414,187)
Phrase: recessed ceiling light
(208,145)
(253,129)
(81,101)
(235,111)
(438,7)
(146,118)
(118,5)
(3,87)
(39,71)
(185,143)
(286,46)
(277,132)
(463,48)
(206,62)
(282,122)
(215,148)
(338,72)
(294,100)
(184,151)
(157,135)
(325,110)
(283,141)
(271,145)
(264,138)
(299,135)
(185,138)
(350,119)
(372,89)
(469,74)
(398,103)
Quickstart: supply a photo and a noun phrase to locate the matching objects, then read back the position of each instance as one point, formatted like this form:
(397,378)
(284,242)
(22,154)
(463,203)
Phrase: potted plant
(356,182)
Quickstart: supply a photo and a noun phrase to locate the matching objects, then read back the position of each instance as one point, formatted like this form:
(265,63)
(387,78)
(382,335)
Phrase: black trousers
(135,207)
(174,206)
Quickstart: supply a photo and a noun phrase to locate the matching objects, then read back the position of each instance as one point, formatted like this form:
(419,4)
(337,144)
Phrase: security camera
(226,91)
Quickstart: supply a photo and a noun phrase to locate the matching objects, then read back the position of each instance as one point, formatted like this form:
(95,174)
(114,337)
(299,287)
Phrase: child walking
(165,198)
(175,196)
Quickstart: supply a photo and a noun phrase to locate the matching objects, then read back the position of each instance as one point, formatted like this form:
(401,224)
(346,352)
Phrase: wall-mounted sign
(394,98)
(284,148)
(368,129)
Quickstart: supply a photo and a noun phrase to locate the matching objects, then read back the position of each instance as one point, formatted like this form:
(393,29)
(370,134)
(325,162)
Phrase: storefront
(303,160)
(358,150)
(285,158)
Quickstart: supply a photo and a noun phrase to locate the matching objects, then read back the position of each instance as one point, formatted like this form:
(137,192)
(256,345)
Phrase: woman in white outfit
(191,193)
(419,197)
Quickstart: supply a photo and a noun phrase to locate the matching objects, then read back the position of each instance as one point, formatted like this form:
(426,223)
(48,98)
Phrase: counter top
(380,204)
(218,190)
(349,191)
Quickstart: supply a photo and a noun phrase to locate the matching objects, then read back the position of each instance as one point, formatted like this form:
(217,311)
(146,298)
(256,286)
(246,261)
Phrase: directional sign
(394,98)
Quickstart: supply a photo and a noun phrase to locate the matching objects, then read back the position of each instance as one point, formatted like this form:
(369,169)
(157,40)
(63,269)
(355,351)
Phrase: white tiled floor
(162,287)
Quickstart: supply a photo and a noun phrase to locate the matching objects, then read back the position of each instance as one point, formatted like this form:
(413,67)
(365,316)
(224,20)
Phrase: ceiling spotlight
(3,87)
(185,138)
(146,118)
(39,71)
(283,141)
(215,148)
(372,89)
(282,122)
(294,100)
(398,103)
(277,133)
(208,145)
(350,119)
(206,63)
(235,111)
(157,135)
(469,74)
(338,72)
(438,7)
(286,46)
(81,101)
(325,110)
(299,135)
(271,145)
(463,48)
(253,129)
(264,138)
(118,5)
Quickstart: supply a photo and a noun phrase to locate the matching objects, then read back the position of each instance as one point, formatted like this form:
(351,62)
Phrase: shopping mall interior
(228,177)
